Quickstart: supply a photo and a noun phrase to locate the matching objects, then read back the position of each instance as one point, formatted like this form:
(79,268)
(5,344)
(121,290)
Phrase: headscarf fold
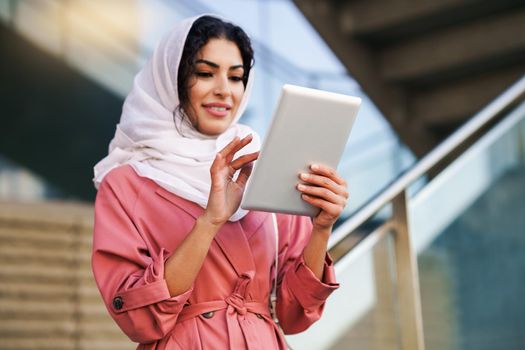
(177,157)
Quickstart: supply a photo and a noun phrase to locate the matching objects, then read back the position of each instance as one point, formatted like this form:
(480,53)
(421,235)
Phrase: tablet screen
(308,126)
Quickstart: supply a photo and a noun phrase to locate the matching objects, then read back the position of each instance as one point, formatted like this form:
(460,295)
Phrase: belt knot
(236,299)
(237,302)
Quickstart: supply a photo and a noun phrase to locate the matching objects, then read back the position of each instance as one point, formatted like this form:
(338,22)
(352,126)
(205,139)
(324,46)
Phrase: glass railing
(443,270)
(469,226)
(364,312)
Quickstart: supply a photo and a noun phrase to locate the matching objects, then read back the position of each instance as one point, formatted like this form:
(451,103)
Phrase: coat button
(208,314)
(118,303)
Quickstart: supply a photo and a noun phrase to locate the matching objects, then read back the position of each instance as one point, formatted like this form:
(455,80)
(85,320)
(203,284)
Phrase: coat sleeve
(300,295)
(130,276)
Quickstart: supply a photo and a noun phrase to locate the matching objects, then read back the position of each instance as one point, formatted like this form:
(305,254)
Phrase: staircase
(427,65)
(48,297)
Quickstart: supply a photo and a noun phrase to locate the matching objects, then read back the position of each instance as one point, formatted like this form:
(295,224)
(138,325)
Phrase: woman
(178,263)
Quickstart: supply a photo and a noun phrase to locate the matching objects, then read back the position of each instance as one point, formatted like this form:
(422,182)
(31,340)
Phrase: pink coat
(138,224)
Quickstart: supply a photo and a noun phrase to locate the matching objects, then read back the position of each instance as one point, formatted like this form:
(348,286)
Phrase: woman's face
(216,89)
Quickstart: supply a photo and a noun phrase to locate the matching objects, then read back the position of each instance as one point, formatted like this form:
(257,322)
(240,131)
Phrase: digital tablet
(308,126)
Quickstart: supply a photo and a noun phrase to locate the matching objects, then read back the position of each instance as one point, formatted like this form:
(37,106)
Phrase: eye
(236,78)
(204,74)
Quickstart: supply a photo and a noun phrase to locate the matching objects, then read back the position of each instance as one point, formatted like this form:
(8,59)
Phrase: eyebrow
(215,65)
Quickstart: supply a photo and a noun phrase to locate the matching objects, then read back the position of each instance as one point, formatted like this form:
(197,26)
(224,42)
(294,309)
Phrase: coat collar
(189,207)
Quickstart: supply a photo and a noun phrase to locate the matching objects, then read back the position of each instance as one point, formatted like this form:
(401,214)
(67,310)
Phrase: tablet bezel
(297,105)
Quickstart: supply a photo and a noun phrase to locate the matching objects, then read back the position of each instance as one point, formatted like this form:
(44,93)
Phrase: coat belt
(236,310)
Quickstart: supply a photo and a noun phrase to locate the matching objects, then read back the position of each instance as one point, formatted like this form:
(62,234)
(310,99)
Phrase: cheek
(195,92)
(193,104)
(238,92)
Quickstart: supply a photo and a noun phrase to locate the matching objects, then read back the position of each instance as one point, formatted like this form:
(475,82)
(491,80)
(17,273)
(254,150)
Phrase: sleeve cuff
(153,293)
(307,288)
(328,272)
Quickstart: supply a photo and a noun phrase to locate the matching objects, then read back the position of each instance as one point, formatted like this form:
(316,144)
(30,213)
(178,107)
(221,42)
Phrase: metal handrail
(444,149)
(405,255)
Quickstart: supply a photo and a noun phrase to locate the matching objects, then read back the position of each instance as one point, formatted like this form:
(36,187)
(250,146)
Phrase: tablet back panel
(309,126)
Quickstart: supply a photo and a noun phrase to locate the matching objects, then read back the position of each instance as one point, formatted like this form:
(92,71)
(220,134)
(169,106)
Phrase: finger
(229,147)
(238,146)
(217,164)
(218,172)
(225,155)
(244,174)
(325,182)
(331,209)
(322,193)
(329,172)
(246,140)
(243,160)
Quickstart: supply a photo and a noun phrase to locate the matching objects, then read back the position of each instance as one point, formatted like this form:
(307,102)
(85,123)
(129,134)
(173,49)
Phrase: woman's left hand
(325,189)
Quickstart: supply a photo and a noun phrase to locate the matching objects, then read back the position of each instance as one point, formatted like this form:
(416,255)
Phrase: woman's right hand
(225,193)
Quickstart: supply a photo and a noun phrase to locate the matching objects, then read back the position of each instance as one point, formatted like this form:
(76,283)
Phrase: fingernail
(301,187)
(304,176)
(315,167)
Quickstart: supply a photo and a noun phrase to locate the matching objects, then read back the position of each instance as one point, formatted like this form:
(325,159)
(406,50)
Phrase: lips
(217,109)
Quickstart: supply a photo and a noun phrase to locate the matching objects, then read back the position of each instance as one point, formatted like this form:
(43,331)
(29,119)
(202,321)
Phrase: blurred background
(423,69)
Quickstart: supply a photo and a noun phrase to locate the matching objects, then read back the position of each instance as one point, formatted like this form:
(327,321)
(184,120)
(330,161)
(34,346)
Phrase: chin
(213,131)
(215,128)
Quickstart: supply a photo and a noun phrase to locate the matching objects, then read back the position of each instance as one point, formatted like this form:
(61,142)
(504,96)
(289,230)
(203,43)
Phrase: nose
(222,86)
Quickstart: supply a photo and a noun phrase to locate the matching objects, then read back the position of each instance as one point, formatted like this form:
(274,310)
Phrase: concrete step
(47,214)
(36,328)
(53,343)
(35,254)
(47,342)
(38,291)
(37,273)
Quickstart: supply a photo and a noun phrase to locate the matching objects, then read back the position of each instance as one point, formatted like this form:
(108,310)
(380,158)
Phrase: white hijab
(178,158)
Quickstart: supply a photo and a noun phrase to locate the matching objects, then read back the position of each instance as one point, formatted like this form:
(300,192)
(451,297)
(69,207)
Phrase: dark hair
(202,30)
